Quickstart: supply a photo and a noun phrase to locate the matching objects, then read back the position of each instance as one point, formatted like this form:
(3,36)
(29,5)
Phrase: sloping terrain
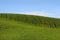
(25,27)
(35,20)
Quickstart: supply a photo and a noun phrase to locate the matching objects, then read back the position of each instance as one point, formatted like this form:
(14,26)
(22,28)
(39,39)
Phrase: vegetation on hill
(35,20)
(12,30)
(28,27)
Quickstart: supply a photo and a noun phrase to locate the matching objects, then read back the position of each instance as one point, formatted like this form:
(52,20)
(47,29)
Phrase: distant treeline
(36,20)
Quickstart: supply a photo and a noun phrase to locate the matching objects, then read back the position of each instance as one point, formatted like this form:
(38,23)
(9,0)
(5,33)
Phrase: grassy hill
(28,27)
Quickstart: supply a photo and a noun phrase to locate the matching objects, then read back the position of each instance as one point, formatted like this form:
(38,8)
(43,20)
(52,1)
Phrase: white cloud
(39,13)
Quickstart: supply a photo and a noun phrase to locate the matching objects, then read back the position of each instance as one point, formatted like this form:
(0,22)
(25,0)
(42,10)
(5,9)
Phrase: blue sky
(49,8)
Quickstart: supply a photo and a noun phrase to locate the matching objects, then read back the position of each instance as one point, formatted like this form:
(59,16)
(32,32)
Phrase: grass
(36,20)
(22,30)
(12,30)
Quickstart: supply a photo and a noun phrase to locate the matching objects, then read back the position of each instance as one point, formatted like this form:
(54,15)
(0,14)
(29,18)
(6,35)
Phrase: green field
(27,27)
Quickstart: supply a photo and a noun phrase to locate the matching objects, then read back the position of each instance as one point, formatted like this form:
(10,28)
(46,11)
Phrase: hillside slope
(28,27)
(13,30)
(35,20)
